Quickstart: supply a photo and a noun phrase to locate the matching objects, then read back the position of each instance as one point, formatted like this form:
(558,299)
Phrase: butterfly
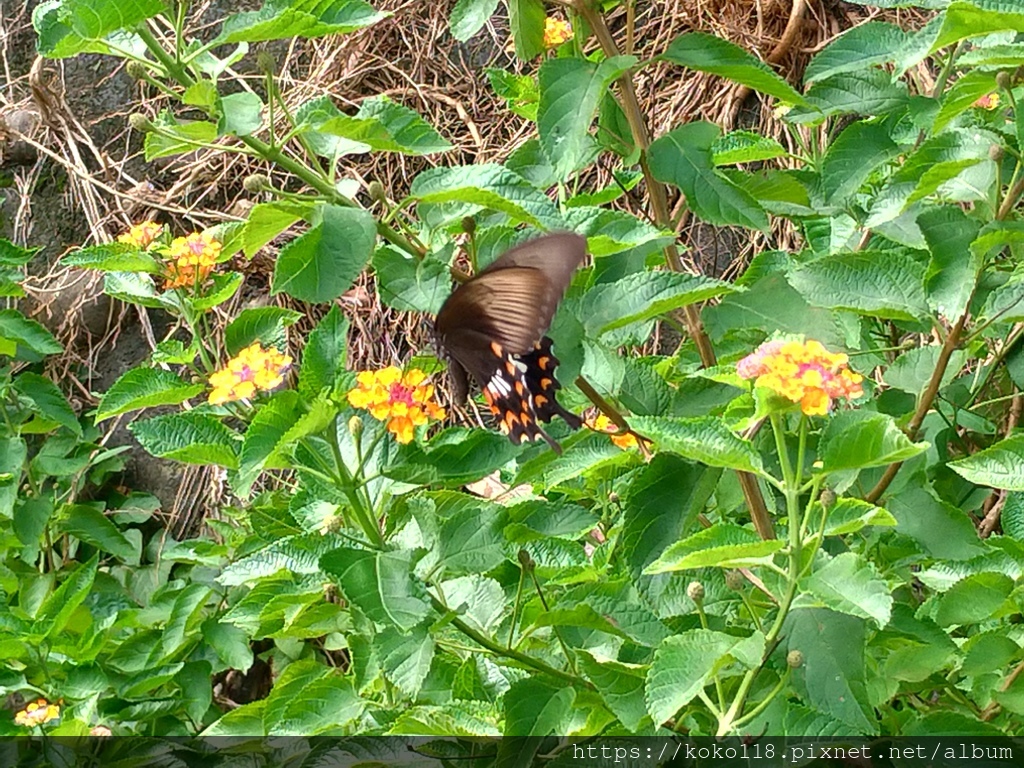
(493,327)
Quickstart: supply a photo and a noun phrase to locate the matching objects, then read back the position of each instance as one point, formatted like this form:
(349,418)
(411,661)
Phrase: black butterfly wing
(493,327)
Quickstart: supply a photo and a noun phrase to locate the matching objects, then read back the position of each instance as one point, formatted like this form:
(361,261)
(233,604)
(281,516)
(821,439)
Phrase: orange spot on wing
(496,349)
(540,400)
(543,362)
(545,383)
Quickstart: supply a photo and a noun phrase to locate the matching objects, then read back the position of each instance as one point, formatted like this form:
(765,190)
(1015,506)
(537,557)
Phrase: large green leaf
(288,711)
(381,125)
(29,335)
(940,529)
(86,522)
(266,325)
(685,663)
(409,284)
(75,26)
(684,158)
(723,545)
(834,673)
(974,599)
(866,45)
(849,584)
(47,400)
(56,610)
(189,437)
(468,16)
(323,356)
(951,277)
(973,19)
(621,685)
(381,584)
(570,92)
(852,157)
(144,388)
(707,53)
(322,264)
(526,19)
(706,440)
(537,707)
(888,285)
(281,19)
(861,439)
(1000,466)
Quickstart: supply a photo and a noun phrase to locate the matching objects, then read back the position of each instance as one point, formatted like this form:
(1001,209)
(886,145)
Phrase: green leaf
(380,584)
(951,278)
(973,600)
(526,19)
(241,114)
(866,45)
(56,611)
(31,518)
(861,439)
(282,19)
(189,437)
(485,186)
(913,370)
(141,388)
(522,94)
(961,96)
(849,584)
(381,125)
(263,324)
(851,515)
(536,707)
(453,456)
(268,220)
(87,523)
(75,26)
(879,284)
(707,53)
(322,263)
(988,652)
(683,158)
(323,357)
(963,19)
(1006,303)
(112,257)
(940,529)
(405,657)
(722,545)
(643,296)
(13,453)
(621,686)
(469,16)
(288,711)
(609,232)
(570,92)
(230,643)
(685,663)
(852,157)
(409,284)
(868,92)
(12,255)
(175,138)
(834,671)
(26,333)
(745,147)
(999,466)
(706,440)
(48,401)
(472,541)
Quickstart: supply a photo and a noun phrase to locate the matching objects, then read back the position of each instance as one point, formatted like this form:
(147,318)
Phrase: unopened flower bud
(140,122)
(695,591)
(995,152)
(795,659)
(827,498)
(613,497)
(136,70)
(255,183)
(1004,80)
(468,225)
(377,192)
(525,560)
(265,61)
(734,580)
(355,427)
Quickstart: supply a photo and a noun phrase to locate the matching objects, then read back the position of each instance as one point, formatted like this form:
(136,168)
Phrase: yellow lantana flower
(191,259)
(37,712)
(556,32)
(988,101)
(141,235)
(601,423)
(803,372)
(404,401)
(253,369)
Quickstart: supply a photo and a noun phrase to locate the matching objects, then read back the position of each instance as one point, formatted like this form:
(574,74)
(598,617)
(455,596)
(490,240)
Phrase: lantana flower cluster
(601,423)
(404,401)
(252,369)
(556,32)
(803,372)
(188,260)
(37,712)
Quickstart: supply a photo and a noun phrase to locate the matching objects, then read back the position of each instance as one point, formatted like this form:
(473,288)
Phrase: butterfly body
(493,327)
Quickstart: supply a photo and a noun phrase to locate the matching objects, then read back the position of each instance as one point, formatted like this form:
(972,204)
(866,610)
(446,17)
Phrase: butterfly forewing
(493,327)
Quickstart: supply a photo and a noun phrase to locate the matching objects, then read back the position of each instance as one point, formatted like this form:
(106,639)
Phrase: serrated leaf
(26,333)
(852,157)
(47,400)
(323,356)
(112,257)
(973,599)
(87,523)
(951,278)
(720,546)
(861,439)
(849,584)
(879,284)
(999,466)
(706,440)
(281,19)
(620,685)
(382,125)
(175,138)
(536,707)
(745,147)
(56,610)
(707,53)
(144,388)
(851,515)
(683,158)
(866,45)
(190,437)
(380,584)
(263,324)
(469,16)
